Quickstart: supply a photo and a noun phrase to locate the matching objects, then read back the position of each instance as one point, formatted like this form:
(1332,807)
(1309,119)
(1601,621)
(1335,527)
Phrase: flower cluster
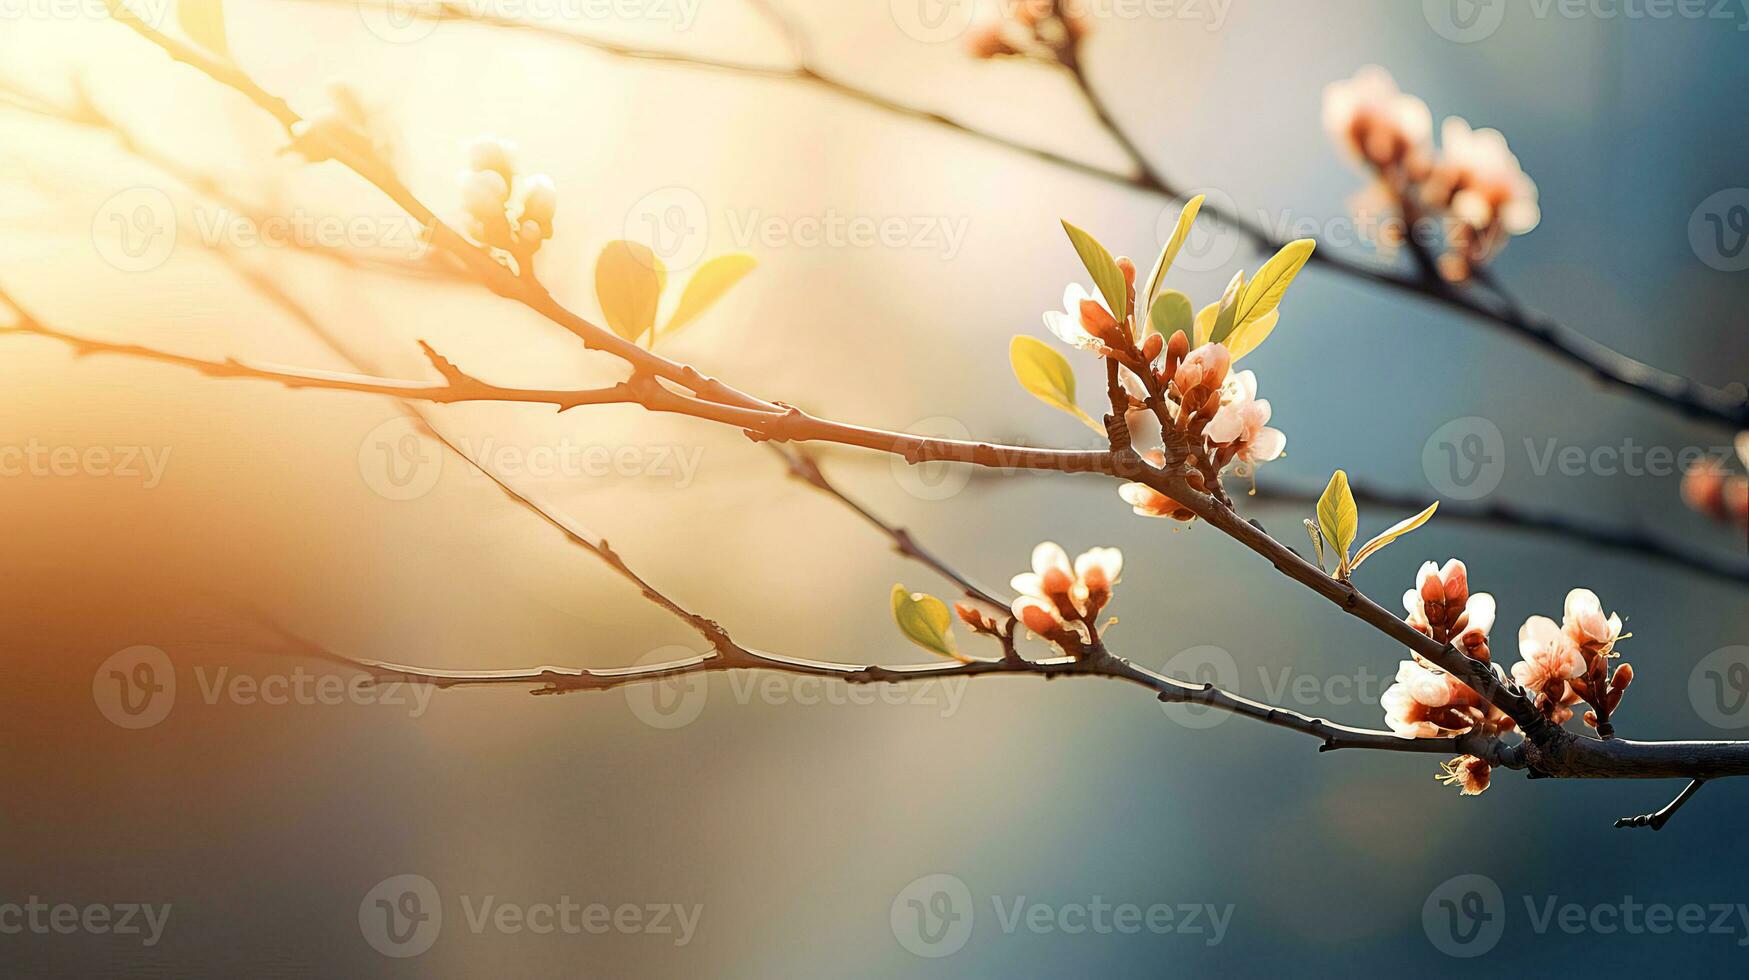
(1045,29)
(1216,411)
(1473,179)
(1562,665)
(507,211)
(1058,596)
(1711,489)
(1208,414)
(1569,663)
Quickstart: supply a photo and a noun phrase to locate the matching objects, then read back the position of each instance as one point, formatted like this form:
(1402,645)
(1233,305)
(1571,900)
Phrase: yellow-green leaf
(629,280)
(925,621)
(1171,313)
(1169,254)
(1266,290)
(708,285)
(1246,336)
(1339,519)
(1227,315)
(1103,268)
(1392,533)
(204,23)
(1044,372)
(1205,324)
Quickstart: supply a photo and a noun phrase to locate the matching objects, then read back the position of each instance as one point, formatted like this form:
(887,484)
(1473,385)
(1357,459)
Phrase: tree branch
(1547,750)
(1567,346)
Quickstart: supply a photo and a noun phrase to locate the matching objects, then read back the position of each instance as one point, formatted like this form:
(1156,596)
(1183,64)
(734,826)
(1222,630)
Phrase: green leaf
(708,285)
(1103,268)
(1044,372)
(1227,317)
(629,280)
(1171,313)
(1247,336)
(204,23)
(1392,533)
(1266,290)
(1339,519)
(925,621)
(1169,254)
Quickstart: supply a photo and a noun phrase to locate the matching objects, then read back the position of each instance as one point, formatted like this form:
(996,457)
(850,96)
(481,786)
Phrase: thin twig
(1657,820)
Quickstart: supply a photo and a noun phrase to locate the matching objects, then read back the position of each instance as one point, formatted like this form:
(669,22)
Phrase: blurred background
(803,828)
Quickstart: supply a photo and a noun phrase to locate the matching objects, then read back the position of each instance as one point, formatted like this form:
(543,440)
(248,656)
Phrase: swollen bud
(1152,347)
